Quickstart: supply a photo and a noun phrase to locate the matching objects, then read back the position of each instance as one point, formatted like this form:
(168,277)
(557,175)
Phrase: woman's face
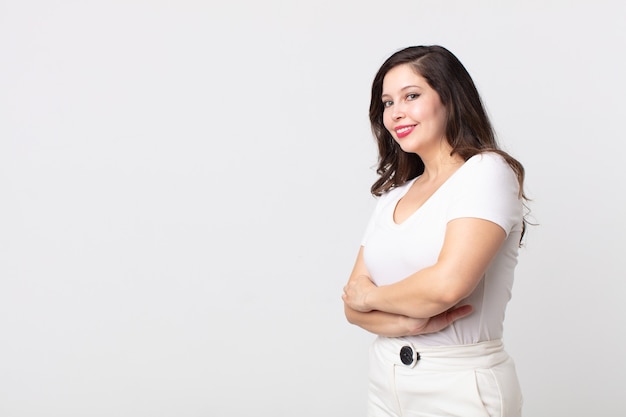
(413,112)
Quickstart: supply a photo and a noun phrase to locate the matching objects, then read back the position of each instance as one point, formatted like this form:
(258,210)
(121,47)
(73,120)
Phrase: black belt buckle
(408,355)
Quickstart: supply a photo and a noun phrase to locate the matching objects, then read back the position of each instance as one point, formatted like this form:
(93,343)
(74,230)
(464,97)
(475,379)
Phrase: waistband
(402,352)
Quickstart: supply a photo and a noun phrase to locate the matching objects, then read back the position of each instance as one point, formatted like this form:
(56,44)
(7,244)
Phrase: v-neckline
(421,206)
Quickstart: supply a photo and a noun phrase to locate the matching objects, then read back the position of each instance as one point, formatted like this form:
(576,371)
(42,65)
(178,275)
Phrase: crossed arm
(425,301)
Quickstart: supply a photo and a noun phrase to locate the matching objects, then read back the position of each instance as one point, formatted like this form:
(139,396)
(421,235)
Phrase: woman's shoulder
(490,161)
(489,169)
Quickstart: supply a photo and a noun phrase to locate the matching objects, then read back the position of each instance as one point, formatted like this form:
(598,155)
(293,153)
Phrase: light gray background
(184,186)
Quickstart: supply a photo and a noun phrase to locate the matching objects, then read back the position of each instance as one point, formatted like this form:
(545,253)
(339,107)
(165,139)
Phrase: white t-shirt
(484,187)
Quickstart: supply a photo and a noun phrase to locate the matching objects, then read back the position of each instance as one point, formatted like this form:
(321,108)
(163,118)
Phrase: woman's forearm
(421,295)
(395,325)
(380,323)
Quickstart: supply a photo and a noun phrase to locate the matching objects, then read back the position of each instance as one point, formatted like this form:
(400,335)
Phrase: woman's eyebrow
(402,89)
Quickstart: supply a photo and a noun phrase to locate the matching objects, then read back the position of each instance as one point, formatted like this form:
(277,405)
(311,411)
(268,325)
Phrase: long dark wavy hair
(468,129)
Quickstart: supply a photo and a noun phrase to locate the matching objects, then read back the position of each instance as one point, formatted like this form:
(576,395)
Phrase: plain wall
(184,185)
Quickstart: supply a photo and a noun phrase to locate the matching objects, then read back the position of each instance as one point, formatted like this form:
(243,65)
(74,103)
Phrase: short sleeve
(489,190)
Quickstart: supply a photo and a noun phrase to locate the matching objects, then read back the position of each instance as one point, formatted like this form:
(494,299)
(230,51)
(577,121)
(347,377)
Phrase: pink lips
(404,131)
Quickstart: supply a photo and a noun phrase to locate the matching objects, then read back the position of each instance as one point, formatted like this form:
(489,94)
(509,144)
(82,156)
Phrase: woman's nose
(398,113)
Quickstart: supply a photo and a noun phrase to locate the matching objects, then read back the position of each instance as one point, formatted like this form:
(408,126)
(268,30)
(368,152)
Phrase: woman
(435,269)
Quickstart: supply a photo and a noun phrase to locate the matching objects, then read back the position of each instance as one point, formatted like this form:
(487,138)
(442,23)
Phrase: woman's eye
(412,96)
(387,104)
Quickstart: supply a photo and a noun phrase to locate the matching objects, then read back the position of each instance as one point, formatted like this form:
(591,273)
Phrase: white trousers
(449,381)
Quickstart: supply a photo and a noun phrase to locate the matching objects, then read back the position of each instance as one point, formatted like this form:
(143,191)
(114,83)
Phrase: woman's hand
(356,291)
(438,322)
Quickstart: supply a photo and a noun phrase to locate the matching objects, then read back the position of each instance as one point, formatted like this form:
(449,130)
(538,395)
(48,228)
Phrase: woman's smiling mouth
(403,131)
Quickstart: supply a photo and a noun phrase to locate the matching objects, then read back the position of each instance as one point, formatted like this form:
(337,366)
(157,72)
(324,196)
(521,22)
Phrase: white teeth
(404,129)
